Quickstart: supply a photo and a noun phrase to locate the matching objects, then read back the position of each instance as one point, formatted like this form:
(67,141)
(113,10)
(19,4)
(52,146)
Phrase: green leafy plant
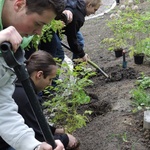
(137,49)
(141,97)
(140,93)
(121,136)
(138,32)
(118,40)
(146,46)
(143,82)
(68,95)
(131,29)
(120,26)
(114,43)
(54,25)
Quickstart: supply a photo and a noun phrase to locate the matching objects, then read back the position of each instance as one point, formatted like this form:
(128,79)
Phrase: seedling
(66,98)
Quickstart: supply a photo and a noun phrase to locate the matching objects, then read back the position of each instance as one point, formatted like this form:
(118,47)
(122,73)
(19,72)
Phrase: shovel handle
(12,59)
(89,61)
(22,74)
(96,66)
(93,64)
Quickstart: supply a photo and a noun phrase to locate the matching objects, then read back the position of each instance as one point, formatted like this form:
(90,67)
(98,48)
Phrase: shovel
(90,62)
(98,68)
(16,61)
(124,63)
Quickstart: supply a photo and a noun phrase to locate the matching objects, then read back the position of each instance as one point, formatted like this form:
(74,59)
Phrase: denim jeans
(53,47)
(59,52)
(10,148)
(80,40)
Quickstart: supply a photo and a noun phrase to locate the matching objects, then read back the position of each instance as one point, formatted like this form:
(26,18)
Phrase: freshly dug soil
(113,125)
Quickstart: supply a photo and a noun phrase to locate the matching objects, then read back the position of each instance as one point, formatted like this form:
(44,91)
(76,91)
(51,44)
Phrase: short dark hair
(39,6)
(40,61)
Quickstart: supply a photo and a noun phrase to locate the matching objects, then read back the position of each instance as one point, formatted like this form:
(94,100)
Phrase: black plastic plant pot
(118,52)
(138,59)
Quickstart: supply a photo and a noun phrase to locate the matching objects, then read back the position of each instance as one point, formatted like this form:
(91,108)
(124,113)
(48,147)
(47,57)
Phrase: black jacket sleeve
(78,9)
(26,111)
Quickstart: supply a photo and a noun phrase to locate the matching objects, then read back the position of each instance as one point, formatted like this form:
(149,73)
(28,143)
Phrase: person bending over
(42,69)
(74,18)
(20,19)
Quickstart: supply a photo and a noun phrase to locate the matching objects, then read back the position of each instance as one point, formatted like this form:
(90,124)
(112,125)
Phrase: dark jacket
(25,109)
(78,8)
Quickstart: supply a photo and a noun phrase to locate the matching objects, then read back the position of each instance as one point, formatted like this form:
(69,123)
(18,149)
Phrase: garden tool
(16,61)
(98,68)
(124,63)
(90,62)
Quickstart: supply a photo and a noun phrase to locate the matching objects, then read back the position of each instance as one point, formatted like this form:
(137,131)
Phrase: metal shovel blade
(124,63)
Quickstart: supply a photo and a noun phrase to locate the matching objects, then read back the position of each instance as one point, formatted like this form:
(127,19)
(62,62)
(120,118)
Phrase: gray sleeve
(12,127)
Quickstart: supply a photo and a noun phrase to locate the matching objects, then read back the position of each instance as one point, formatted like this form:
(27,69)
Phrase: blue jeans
(53,47)
(80,40)
(56,47)
(10,148)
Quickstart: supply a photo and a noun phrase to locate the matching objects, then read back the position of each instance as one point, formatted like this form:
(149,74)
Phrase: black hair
(39,6)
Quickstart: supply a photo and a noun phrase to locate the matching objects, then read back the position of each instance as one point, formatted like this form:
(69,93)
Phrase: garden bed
(113,125)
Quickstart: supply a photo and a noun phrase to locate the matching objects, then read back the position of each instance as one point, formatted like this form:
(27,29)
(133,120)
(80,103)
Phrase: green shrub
(68,95)
(140,93)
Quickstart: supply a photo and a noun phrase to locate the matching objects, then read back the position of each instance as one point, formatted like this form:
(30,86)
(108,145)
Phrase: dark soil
(112,125)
